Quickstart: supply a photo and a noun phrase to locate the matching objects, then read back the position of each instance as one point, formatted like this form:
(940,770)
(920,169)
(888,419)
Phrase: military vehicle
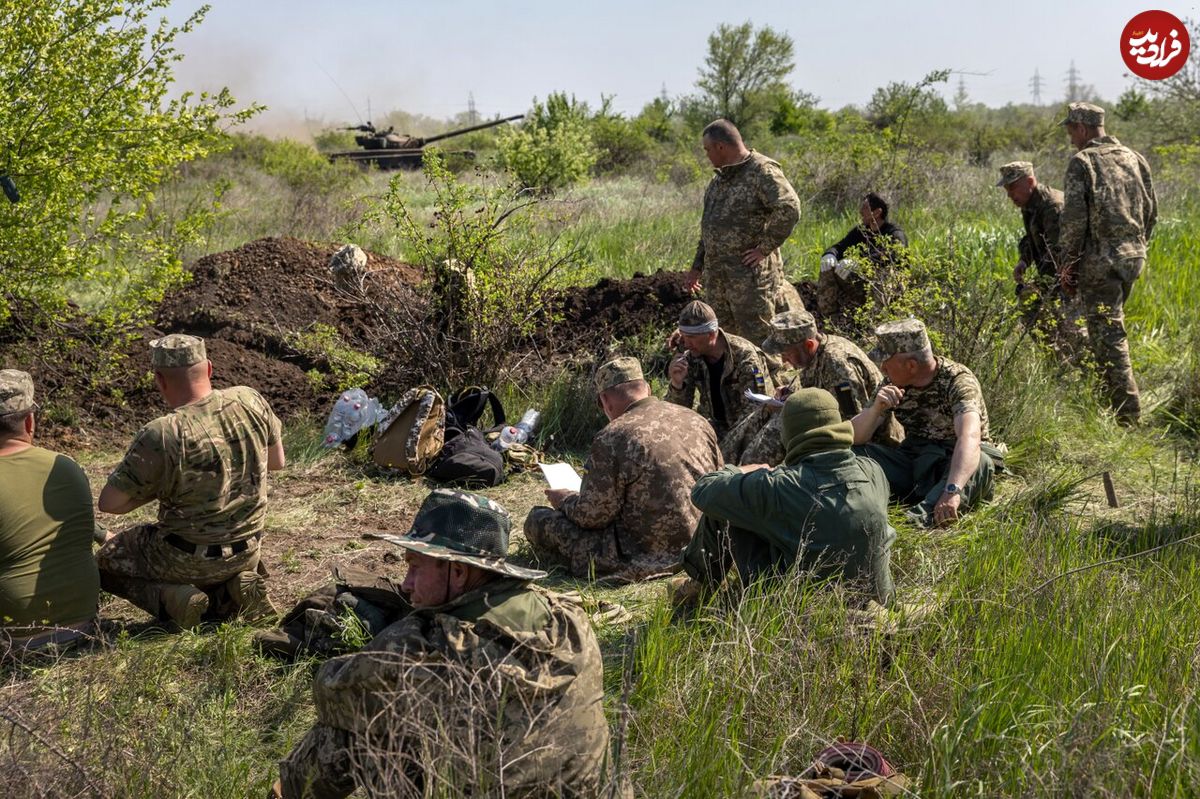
(387,149)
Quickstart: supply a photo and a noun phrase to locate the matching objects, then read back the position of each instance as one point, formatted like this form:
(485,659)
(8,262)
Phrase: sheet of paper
(561,475)
(763,399)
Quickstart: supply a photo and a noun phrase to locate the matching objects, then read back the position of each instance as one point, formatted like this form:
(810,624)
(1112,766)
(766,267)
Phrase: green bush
(553,148)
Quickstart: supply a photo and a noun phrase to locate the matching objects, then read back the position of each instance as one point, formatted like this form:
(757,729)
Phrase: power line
(472,115)
(1073,84)
(1035,86)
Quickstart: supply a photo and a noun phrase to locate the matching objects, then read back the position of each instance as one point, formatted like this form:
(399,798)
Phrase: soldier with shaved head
(206,464)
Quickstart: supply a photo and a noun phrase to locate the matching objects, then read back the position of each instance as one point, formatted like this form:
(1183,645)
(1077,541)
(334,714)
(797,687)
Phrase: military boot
(249,592)
(184,604)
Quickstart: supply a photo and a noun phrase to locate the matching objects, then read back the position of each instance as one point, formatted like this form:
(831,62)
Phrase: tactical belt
(210,550)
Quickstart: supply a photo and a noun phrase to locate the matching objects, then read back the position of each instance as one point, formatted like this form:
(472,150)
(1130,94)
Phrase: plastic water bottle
(353,411)
(519,433)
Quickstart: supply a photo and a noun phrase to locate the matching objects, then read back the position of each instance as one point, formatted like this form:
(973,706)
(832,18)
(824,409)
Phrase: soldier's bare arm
(115,501)
(276,460)
(963,464)
(865,423)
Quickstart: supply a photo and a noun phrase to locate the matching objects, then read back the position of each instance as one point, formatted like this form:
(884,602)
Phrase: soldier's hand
(754,467)
(674,339)
(691,281)
(678,370)
(945,512)
(1019,271)
(889,397)
(555,496)
(753,257)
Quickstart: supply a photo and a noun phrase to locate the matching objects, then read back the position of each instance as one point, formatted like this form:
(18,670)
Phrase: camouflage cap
(697,318)
(788,328)
(465,528)
(903,335)
(1084,114)
(616,372)
(176,350)
(16,392)
(1014,171)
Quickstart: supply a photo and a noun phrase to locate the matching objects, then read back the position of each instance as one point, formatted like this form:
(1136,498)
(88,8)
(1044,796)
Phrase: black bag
(466,459)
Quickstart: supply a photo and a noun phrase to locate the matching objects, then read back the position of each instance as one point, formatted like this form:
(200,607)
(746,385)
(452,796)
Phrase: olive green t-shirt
(206,464)
(48,575)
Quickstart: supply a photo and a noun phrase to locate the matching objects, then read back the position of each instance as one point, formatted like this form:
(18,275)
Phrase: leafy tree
(743,69)
(1131,104)
(554,146)
(87,134)
(797,112)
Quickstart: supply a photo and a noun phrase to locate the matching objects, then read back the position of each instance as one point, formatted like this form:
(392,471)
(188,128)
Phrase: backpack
(466,459)
(412,433)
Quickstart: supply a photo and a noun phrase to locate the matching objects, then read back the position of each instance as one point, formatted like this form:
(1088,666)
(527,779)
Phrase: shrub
(553,148)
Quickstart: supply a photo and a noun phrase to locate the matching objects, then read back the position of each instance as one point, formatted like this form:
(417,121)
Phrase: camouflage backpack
(412,433)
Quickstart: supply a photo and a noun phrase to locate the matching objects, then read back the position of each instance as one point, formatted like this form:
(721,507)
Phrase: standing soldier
(718,365)
(749,212)
(1109,212)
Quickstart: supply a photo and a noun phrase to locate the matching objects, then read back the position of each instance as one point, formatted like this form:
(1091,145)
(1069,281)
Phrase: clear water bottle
(519,433)
(353,412)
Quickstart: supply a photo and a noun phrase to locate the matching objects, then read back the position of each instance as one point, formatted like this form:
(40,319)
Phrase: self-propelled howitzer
(387,149)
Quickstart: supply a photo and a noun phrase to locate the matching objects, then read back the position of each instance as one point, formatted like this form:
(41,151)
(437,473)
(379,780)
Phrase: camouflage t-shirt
(929,411)
(206,464)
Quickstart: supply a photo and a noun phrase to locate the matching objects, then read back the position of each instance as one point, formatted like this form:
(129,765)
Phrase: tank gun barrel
(493,123)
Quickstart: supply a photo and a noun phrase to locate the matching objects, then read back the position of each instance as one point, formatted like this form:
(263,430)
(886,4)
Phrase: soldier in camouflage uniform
(489,687)
(825,508)
(825,361)
(720,366)
(206,463)
(941,465)
(864,265)
(1045,308)
(1109,211)
(633,512)
(750,209)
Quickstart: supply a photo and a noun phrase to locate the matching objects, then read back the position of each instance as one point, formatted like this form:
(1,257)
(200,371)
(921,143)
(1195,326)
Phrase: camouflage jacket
(745,368)
(839,365)
(1109,207)
(1039,246)
(746,205)
(206,464)
(639,480)
(500,690)
(929,411)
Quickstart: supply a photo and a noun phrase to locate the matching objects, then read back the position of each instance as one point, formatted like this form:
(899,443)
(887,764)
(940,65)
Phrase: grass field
(1058,653)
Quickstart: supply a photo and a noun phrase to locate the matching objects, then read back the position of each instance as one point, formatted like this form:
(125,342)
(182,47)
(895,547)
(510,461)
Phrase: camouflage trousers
(746,298)
(916,473)
(1103,290)
(717,546)
(757,438)
(137,564)
(589,553)
(321,766)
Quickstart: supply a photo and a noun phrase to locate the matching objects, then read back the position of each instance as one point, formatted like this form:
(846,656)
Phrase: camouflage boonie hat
(788,328)
(904,335)
(465,528)
(16,392)
(1014,171)
(176,350)
(1084,114)
(697,318)
(616,372)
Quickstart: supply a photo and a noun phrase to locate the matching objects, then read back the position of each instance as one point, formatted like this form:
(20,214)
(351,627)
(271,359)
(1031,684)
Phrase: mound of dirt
(591,316)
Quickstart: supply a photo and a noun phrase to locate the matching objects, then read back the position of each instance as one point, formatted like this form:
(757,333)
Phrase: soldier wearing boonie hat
(49,586)
(716,365)
(1109,214)
(206,464)
(632,513)
(944,465)
(482,649)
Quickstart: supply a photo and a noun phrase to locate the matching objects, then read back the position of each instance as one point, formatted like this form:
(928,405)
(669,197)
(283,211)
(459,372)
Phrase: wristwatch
(951,488)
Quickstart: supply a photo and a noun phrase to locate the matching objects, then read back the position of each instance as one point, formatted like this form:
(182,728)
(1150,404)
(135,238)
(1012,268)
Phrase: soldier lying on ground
(49,587)
(825,361)
(206,463)
(824,510)
(489,687)
(719,366)
(862,265)
(633,512)
(940,465)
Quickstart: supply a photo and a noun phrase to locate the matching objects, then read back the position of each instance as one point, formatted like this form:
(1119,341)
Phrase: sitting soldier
(824,509)
(825,361)
(206,463)
(862,265)
(489,686)
(941,465)
(633,512)
(49,588)
(721,366)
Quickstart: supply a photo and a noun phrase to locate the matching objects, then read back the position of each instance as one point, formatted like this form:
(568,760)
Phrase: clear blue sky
(429,56)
